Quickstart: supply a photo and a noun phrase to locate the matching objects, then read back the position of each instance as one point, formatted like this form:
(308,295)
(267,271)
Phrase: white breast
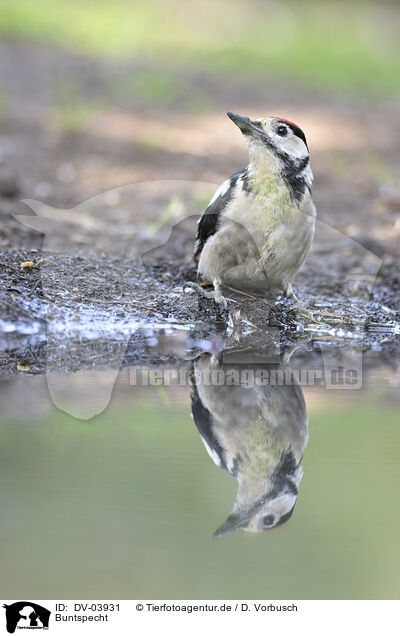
(262,241)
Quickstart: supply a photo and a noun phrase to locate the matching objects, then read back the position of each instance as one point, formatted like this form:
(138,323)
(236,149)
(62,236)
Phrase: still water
(300,485)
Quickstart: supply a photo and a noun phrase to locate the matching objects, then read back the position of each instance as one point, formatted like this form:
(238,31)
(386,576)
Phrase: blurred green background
(110,93)
(329,44)
(124,506)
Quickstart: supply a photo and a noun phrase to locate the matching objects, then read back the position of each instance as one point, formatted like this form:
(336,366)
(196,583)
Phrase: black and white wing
(209,220)
(204,423)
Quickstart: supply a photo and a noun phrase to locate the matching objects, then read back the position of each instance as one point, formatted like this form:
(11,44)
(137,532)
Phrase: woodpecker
(258,228)
(256,433)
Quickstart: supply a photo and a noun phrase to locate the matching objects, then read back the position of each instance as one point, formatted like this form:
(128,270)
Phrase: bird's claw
(214,295)
(220,299)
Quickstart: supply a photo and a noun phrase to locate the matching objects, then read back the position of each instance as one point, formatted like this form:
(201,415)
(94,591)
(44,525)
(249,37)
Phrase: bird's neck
(250,490)
(262,162)
(264,171)
(257,467)
(267,173)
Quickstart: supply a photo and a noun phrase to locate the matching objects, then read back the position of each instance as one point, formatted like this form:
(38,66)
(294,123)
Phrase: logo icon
(26,615)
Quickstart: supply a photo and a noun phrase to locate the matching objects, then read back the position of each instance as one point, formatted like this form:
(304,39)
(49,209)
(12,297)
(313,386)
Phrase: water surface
(124,505)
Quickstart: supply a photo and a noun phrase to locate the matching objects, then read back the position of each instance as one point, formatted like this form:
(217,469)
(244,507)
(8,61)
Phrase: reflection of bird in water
(258,435)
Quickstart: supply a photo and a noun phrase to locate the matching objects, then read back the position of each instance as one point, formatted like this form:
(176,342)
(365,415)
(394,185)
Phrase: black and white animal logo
(26,615)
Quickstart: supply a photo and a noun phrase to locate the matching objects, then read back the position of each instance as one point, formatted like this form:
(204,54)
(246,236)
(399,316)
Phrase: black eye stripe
(296,131)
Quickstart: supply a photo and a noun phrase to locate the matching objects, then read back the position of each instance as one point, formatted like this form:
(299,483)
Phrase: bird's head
(265,506)
(279,139)
(265,515)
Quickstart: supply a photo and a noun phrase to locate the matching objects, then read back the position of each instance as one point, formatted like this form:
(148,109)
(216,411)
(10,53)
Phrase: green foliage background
(330,45)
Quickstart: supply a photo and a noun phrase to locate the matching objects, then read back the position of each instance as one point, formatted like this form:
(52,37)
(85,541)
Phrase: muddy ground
(96,279)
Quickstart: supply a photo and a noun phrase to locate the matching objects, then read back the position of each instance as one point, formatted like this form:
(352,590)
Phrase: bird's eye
(268,520)
(282,131)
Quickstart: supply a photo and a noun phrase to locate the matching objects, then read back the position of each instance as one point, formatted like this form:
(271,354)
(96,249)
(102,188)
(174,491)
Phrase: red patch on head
(286,120)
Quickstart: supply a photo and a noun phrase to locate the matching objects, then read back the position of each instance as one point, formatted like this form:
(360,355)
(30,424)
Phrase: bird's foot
(289,293)
(218,297)
(214,295)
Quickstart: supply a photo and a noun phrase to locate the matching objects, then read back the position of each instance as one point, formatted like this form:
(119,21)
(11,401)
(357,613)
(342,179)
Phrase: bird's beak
(248,127)
(233,522)
(242,122)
